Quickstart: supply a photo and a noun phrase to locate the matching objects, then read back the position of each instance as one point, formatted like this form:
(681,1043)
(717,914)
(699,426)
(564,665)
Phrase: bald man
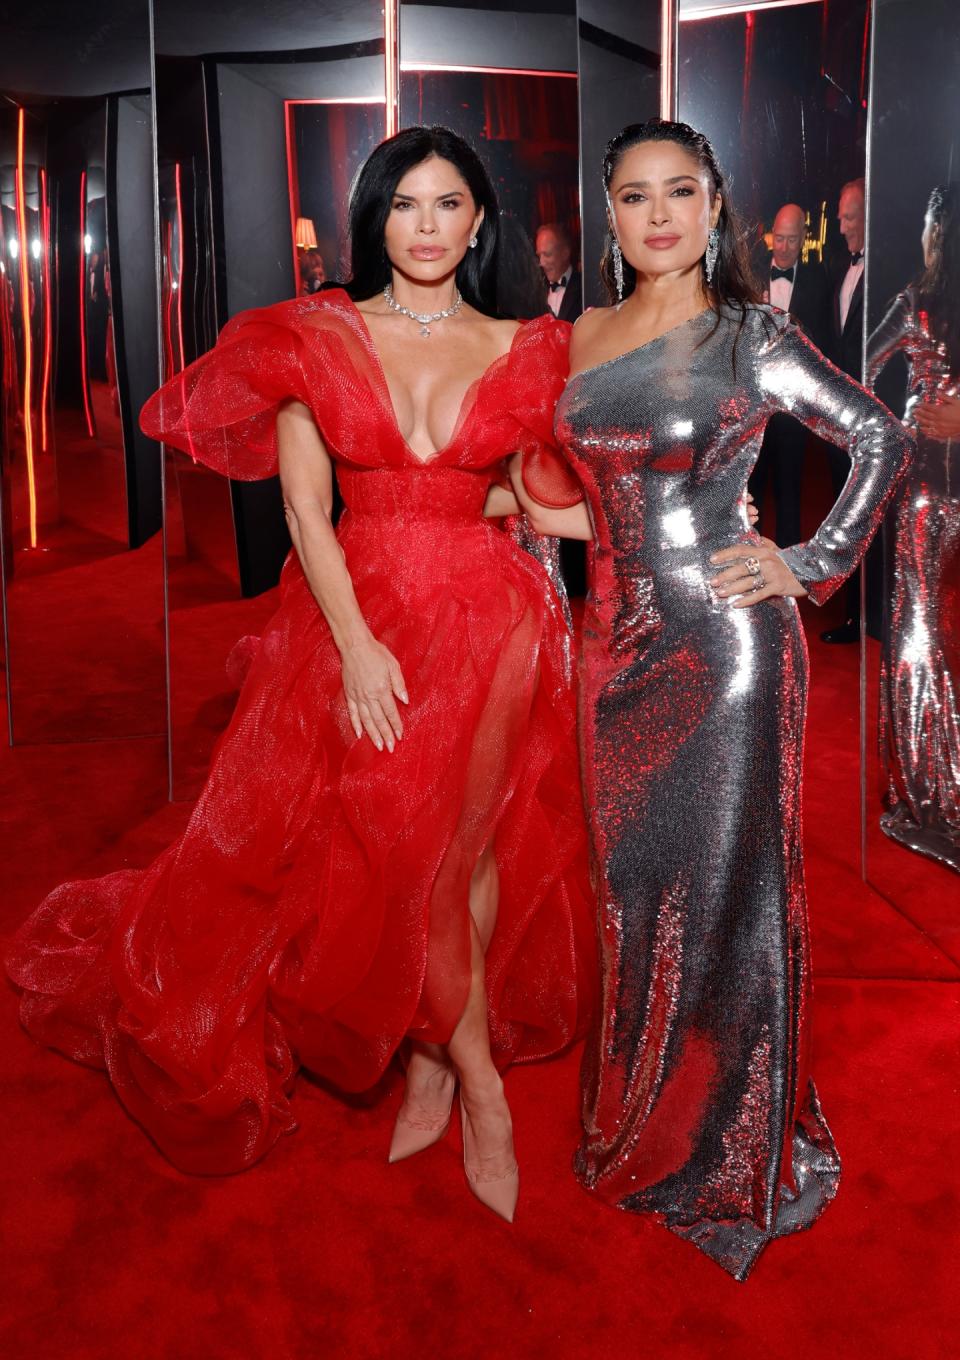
(803,291)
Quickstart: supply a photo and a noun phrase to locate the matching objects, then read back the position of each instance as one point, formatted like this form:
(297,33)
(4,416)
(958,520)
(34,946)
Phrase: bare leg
(431,1070)
(488,1141)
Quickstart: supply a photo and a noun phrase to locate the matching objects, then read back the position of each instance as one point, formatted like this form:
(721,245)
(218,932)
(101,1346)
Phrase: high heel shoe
(499,1191)
(417,1129)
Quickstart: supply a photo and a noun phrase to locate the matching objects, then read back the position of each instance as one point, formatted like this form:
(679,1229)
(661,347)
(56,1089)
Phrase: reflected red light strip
(865,58)
(750,33)
(23,256)
(84,381)
(47,284)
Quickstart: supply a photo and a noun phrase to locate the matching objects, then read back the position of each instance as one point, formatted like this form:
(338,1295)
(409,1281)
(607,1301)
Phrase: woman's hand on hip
(372,683)
(941,421)
(753,572)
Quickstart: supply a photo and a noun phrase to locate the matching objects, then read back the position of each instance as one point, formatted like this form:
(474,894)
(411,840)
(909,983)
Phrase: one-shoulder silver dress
(698,1101)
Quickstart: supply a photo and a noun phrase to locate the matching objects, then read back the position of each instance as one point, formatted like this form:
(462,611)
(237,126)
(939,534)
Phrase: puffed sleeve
(892,334)
(222,409)
(539,375)
(796,379)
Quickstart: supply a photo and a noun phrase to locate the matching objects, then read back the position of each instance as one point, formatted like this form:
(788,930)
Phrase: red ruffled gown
(315,910)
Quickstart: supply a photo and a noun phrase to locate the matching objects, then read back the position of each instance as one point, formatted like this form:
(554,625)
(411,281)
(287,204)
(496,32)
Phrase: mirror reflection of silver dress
(698,1101)
(920,668)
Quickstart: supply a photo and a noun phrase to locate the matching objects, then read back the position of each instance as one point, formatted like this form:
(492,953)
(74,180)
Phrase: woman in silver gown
(920,668)
(699,1106)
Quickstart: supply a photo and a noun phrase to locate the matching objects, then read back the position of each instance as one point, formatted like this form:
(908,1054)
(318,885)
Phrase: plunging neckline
(467,403)
(637,349)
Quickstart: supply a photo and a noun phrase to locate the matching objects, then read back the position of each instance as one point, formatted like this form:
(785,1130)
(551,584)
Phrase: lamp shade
(305,234)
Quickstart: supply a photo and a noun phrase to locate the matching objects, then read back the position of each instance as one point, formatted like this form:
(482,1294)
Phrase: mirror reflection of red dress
(314,912)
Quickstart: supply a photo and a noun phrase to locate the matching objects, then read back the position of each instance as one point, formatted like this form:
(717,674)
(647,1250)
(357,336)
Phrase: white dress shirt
(555,295)
(847,289)
(781,290)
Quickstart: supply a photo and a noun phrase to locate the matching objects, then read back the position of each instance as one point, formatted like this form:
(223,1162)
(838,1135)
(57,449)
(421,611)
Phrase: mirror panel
(79,532)
(912,675)
(782,92)
(257,114)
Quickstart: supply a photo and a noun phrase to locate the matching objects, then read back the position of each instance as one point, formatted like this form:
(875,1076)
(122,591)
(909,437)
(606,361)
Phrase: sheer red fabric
(315,911)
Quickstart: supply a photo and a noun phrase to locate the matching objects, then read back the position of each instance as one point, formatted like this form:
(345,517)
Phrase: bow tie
(776,273)
(559,283)
(856,257)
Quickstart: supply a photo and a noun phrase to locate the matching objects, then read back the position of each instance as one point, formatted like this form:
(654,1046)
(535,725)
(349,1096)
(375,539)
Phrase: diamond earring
(473,243)
(618,268)
(713,250)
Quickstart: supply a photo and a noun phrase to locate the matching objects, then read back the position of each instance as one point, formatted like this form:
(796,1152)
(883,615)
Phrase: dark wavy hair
(732,284)
(371,199)
(939,284)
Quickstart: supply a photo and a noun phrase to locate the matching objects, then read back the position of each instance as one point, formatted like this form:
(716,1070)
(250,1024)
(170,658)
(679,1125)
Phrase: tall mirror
(262,119)
(912,674)
(81,509)
(782,91)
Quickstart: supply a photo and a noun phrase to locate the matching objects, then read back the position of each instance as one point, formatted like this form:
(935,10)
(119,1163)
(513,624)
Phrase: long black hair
(372,197)
(732,283)
(939,285)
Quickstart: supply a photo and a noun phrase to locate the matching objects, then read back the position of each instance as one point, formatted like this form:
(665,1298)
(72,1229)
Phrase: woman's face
(663,208)
(930,241)
(432,218)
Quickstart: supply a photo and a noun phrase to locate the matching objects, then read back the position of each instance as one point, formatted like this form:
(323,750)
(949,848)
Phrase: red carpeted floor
(326,1251)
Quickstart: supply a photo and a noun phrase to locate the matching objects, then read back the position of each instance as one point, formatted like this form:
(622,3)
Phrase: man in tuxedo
(802,290)
(555,252)
(846,351)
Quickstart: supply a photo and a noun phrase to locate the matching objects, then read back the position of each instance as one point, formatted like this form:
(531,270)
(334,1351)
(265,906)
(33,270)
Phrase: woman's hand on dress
(941,421)
(753,572)
(372,682)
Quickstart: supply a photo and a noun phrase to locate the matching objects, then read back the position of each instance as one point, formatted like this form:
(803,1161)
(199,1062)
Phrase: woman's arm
(500,502)
(889,336)
(372,678)
(571,522)
(801,382)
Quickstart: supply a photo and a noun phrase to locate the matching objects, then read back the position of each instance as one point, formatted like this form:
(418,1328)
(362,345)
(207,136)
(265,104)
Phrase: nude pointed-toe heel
(498,1191)
(414,1133)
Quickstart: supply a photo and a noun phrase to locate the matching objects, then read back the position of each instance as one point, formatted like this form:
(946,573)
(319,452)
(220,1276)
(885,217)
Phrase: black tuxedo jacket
(847,341)
(810,302)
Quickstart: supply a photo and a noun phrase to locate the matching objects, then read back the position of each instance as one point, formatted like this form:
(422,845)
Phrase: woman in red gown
(390,844)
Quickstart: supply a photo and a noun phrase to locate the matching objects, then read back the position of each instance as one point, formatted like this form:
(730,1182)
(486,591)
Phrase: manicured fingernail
(403,696)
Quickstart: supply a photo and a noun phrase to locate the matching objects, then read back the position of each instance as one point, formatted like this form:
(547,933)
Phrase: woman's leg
(432,1069)
(489,1139)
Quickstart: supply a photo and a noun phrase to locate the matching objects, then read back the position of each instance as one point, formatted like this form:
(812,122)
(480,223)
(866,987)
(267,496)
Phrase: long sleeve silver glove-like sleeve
(798,380)
(890,335)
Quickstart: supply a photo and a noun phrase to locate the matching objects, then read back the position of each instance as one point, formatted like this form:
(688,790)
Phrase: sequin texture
(920,666)
(697,1102)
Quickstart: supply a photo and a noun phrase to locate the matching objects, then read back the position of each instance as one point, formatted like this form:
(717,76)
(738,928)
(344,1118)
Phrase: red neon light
(84,383)
(865,58)
(46,282)
(24,260)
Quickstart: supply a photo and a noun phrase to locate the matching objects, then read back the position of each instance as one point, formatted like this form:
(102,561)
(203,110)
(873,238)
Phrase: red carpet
(326,1251)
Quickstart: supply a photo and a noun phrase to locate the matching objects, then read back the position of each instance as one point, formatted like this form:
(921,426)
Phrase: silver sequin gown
(698,1102)
(920,667)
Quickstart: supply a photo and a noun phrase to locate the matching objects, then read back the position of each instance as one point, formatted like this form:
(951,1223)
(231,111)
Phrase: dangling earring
(617,268)
(713,250)
(473,243)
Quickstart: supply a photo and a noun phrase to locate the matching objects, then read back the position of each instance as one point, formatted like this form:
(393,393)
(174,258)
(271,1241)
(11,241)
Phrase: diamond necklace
(425,319)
